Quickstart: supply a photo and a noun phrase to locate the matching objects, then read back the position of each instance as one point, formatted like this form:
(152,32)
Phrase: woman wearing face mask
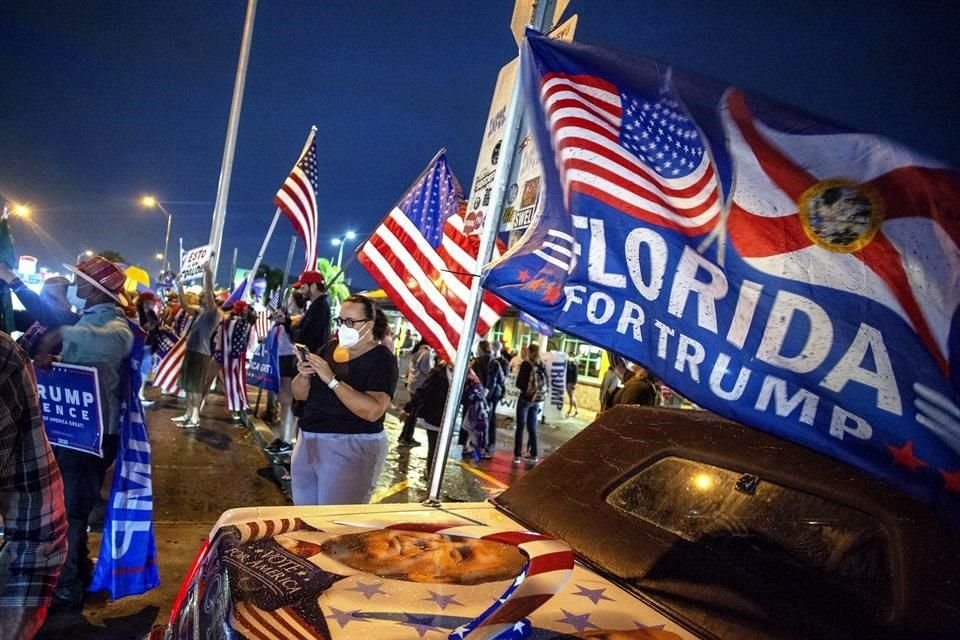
(346,389)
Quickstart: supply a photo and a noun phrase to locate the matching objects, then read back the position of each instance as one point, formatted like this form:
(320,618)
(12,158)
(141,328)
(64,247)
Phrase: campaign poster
(556,364)
(70,404)
(191,268)
(263,368)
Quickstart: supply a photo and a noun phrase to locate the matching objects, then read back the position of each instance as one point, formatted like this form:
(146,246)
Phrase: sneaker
(518,461)
(487,456)
(533,460)
(146,403)
(409,443)
(179,419)
(189,425)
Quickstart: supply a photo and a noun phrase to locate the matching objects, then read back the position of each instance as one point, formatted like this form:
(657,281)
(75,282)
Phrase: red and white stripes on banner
(429,286)
(585,115)
(263,324)
(168,371)
(234,368)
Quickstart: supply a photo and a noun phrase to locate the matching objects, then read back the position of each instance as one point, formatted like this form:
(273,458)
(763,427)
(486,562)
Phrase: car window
(762,526)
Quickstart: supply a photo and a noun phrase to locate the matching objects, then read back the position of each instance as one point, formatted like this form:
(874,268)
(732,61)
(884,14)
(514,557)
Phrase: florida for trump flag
(777,269)
(425,262)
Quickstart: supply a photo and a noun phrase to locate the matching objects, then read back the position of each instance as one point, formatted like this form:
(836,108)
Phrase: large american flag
(425,262)
(641,155)
(234,339)
(297,199)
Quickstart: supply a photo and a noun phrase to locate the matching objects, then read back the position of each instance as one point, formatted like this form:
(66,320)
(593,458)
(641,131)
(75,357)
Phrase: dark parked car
(682,524)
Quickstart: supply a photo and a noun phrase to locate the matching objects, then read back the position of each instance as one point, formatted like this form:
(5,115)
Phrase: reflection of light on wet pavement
(383,494)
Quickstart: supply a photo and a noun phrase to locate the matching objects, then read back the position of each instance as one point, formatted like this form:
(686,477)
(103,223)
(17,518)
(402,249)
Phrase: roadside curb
(263,436)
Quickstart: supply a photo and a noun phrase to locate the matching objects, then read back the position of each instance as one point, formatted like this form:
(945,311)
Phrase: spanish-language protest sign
(772,267)
(191,267)
(70,403)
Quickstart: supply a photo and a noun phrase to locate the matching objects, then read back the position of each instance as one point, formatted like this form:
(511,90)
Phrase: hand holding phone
(302,351)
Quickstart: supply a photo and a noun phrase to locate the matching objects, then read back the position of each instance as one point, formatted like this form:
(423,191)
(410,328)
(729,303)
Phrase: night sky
(104,101)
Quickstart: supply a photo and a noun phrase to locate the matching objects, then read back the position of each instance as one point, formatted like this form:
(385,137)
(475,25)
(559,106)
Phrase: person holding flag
(102,339)
(196,360)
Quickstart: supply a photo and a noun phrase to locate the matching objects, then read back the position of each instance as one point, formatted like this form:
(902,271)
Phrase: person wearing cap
(44,311)
(101,339)
(314,329)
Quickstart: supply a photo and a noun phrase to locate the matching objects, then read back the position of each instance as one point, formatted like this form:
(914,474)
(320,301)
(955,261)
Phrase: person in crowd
(101,339)
(532,383)
(44,311)
(388,340)
(347,388)
(232,341)
(196,360)
(612,379)
(149,321)
(428,403)
(282,442)
(314,329)
(638,388)
(31,501)
(518,358)
(420,364)
(491,375)
(572,373)
(476,417)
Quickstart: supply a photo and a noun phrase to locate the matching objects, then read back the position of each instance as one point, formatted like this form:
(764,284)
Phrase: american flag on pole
(425,262)
(297,198)
(642,156)
(233,338)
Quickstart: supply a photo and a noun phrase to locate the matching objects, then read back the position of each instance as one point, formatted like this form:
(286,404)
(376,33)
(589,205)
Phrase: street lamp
(339,242)
(150,202)
(88,253)
(21,210)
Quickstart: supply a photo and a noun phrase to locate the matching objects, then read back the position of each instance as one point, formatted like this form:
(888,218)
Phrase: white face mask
(74,299)
(348,337)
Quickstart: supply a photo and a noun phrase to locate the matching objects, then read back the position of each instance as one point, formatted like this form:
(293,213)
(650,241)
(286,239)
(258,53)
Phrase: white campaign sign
(556,364)
(192,265)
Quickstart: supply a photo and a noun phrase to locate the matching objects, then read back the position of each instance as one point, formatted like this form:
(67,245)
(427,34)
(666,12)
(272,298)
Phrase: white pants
(336,468)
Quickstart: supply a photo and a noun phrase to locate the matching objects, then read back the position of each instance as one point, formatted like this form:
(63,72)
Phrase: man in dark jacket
(314,330)
(488,369)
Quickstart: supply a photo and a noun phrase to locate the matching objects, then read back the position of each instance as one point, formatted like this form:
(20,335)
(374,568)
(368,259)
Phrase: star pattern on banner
(579,622)
(904,456)
(951,480)
(344,617)
(368,590)
(443,601)
(422,624)
(640,625)
(523,275)
(552,293)
(594,595)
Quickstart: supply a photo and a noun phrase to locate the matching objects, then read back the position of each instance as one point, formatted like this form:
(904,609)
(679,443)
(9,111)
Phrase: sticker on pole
(193,261)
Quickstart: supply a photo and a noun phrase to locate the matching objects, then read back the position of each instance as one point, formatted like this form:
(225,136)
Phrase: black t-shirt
(376,370)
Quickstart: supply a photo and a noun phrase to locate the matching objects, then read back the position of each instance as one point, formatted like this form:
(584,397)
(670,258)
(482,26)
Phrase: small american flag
(297,198)
(168,370)
(234,338)
(641,155)
(424,261)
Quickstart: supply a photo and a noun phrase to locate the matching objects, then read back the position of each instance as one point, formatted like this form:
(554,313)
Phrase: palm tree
(337,291)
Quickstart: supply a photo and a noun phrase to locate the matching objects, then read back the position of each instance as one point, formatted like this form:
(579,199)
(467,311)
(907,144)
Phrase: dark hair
(371,311)
(483,348)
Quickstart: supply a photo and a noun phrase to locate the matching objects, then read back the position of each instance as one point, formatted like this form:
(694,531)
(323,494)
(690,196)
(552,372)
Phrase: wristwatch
(333,384)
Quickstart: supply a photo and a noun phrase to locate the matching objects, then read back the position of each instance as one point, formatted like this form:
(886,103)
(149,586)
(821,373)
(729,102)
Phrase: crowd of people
(328,415)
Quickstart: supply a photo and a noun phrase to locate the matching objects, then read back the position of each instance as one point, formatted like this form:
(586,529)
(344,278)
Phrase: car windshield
(763,527)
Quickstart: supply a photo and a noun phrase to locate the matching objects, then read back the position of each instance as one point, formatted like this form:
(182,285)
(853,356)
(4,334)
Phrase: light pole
(150,202)
(88,253)
(339,242)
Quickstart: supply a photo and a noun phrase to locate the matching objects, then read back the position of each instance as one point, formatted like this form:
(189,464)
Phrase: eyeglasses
(350,322)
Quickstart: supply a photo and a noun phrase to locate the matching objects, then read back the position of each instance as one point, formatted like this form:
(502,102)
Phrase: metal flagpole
(233,267)
(263,248)
(543,12)
(286,269)
(229,147)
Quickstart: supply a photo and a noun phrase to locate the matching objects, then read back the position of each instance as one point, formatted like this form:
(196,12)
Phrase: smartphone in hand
(302,351)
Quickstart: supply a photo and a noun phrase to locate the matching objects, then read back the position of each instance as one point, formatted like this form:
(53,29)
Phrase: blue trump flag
(263,370)
(127,563)
(772,267)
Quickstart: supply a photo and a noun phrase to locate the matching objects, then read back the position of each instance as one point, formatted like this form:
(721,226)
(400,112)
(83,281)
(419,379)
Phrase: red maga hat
(311,277)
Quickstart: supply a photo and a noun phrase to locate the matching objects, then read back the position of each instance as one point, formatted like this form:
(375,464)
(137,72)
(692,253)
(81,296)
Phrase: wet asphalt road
(198,475)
